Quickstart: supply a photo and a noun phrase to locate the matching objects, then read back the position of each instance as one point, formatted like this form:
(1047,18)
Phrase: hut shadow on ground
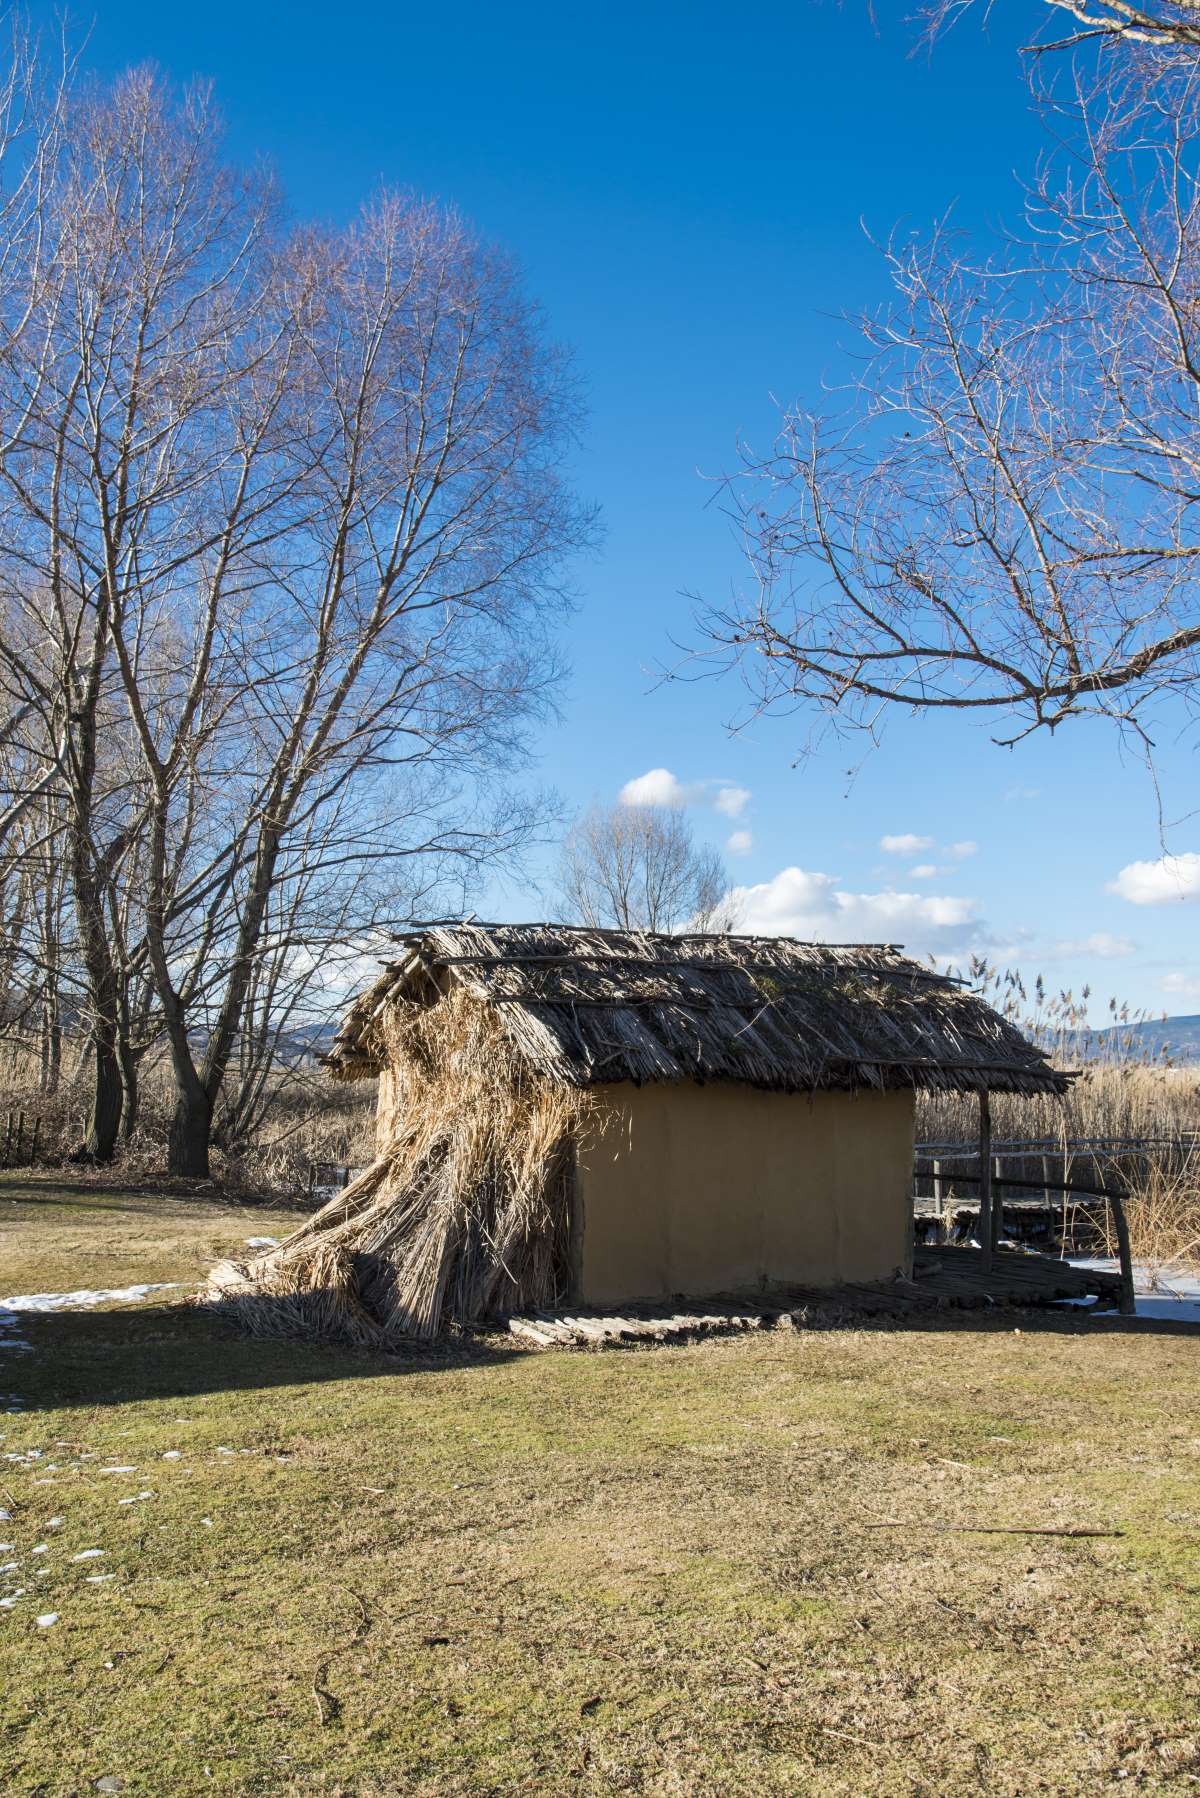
(109,1358)
(101,1358)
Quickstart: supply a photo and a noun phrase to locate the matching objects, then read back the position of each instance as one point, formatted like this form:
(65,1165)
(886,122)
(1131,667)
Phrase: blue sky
(685,188)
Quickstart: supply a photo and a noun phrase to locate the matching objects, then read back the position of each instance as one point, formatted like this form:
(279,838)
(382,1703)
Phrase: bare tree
(639,867)
(1005,521)
(284,511)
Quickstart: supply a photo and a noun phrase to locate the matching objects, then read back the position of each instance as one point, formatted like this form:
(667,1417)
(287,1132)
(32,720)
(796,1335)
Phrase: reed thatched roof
(584,1006)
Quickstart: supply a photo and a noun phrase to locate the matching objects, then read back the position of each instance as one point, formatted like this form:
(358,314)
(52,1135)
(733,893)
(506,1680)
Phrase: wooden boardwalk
(944,1277)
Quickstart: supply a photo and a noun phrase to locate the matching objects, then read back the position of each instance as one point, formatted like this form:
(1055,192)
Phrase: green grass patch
(717,1568)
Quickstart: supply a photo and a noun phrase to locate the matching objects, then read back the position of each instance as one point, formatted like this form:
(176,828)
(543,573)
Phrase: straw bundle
(465,1213)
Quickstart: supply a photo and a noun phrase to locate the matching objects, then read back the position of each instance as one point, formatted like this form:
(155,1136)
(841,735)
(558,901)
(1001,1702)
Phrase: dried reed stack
(463,1215)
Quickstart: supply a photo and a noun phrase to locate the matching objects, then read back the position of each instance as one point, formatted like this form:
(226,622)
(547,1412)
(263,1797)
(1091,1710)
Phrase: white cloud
(906,844)
(1182,986)
(1019,793)
(1171,878)
(740,842)
(961,850)
(1100,944)
(800,903)
(732,801)
(923,871)
(657,787)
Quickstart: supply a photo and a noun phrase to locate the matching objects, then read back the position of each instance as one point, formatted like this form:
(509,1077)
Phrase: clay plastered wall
(691,1189)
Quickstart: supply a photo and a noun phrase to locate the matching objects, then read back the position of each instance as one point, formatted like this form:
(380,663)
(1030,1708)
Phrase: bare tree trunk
(104,1114)
(127,1061)
(88,873)
(50,1046)
(191,1129)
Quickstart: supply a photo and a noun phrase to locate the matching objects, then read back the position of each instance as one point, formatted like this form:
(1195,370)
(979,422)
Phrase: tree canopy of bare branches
(639,867)
(1004,519)
(281,532)
(1174,24)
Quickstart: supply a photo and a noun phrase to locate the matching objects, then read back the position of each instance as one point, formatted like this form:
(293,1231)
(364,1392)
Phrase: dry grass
(730,1568)
(1164,1212)
(464,1213)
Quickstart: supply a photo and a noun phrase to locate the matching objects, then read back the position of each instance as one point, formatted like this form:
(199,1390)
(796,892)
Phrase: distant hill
(1176,1038)
(307,1042)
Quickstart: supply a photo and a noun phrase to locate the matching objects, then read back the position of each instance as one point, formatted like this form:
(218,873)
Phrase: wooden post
(939,1199)
(997,1215)
(998,1167)
(1128,1304)
(986,1238)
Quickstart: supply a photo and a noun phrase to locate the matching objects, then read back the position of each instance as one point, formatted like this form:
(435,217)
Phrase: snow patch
(76,1301)
(262,1242)
(1155,1293)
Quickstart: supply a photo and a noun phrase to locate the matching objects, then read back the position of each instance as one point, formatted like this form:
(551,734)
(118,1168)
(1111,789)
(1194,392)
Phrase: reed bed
(463,1214)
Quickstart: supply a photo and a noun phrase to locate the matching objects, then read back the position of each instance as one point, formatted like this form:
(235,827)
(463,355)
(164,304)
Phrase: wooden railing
(945,1176)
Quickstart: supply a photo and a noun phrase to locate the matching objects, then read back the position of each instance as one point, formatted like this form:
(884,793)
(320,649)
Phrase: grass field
(722,1568)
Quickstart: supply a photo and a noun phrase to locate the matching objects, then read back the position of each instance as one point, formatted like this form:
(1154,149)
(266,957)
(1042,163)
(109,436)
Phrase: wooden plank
(547,1321)
(588,1328)
(526,1331)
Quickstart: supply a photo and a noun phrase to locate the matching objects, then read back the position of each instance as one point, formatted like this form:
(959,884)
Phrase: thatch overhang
(585,1007)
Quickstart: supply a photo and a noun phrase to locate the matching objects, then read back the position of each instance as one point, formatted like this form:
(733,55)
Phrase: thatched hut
(596,1117)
